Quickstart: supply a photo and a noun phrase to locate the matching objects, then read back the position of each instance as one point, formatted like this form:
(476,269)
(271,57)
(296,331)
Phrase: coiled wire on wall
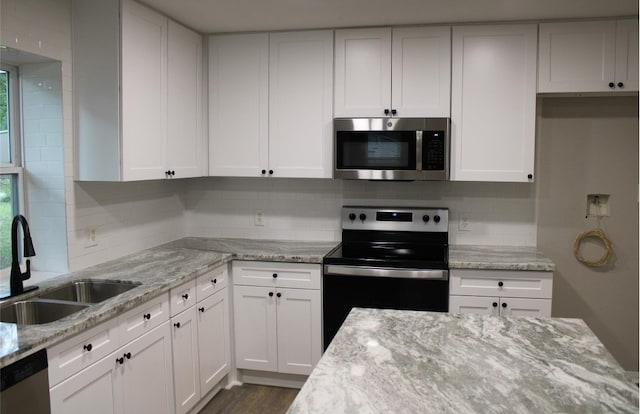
(597,233)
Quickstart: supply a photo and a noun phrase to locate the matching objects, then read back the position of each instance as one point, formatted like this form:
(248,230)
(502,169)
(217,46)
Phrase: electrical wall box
(597,205)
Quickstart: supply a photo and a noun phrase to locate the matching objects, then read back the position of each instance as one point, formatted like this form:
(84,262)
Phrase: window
(11,170)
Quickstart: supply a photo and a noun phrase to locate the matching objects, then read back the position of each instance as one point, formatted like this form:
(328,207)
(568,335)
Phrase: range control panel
(395,219)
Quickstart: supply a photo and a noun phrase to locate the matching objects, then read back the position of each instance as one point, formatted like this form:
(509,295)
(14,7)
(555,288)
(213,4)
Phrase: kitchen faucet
(17,276)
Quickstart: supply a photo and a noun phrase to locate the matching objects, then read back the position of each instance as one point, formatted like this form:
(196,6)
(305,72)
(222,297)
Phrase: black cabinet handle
(530,176)
(264,171)
(386,112)
(88,347)
(612,85)
(177,324)
(270,294)
(185,296)
(270,172)
(620,85)
(127,355)
(500,284)
(214,281)
(275,275)
(504,305)
(201,309)
(120,360)
(495,304)
(394,112)
(146,316)
(279,294)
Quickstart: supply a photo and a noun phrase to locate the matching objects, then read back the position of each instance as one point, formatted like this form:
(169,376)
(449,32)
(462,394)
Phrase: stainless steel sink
(37,311)
(89,291)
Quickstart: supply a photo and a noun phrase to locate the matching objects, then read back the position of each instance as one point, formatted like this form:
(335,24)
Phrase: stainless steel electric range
(391,258)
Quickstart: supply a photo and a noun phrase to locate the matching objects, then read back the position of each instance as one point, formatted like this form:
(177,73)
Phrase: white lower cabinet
(213,340)
(277,328)
(184,337)
(501,292)
(136,378)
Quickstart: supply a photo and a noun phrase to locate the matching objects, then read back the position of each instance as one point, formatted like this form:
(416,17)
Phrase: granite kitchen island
(389,361)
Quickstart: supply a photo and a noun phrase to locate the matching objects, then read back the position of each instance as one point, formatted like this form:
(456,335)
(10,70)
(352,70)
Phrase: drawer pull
(127,355)
(500,284)
(495,304)
(214,281)
(185,296)
(504,304)
(201,309)
(177,324)
(275,275)
(88,347)
(279,294)
(146,316)
(120,360)
(270,294)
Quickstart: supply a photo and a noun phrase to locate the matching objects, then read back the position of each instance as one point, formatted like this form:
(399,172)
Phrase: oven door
(346,287)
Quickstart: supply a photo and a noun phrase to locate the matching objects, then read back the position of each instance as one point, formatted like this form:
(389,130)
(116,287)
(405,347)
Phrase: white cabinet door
(213,339)
(474,304)
(238,104)
(299,327)
(144,92)
(421,71)
(255,328)
(493,102)
(577,56)
(627,55)
(186,154)
(186,376)
(147,373)
(92,390)
(525,307)
(300,104)
(363,72)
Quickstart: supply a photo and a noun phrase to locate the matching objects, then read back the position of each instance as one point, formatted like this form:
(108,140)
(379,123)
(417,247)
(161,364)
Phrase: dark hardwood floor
(251,399)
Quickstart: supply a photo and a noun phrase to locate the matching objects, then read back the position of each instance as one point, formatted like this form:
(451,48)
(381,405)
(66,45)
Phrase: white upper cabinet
(300,104)
(595,56)
(493,102)
(238,104)
(129,123)
(270,104)
(402,72)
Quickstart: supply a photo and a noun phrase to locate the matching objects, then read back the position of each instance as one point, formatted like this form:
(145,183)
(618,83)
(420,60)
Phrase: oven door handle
(341,270)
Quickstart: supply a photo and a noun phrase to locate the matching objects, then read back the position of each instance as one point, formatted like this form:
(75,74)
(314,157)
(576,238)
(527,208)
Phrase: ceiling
(215,16)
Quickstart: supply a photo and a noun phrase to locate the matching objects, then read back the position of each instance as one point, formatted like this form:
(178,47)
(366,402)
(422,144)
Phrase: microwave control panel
(433,150)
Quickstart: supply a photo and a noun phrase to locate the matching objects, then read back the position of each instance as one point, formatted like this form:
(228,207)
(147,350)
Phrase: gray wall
(590,145)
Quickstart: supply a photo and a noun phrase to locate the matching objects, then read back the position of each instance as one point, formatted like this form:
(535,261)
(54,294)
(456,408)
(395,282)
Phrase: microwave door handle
(419,150)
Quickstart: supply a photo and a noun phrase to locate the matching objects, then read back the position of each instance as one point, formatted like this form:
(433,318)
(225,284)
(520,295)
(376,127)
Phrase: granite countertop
(498,258)
(158,270)
(389,361)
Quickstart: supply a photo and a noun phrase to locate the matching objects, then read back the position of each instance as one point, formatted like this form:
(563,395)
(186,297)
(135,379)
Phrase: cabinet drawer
(80,351)
(516,284)
(272,274)
(211,282)
(143,318)
(182,297)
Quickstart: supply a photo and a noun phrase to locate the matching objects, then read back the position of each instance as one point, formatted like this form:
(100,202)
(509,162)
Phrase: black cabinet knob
(279,294)
(264,171)
(127,355)
(214,281)
(386,112)
(173,173)
(201,309)
(504,305)
(270,294)
(425,218)
(167,172)
(120,360)
(185,296)
(363,216)
(270,172)
(88,347)
(436,219)
(177,324)
(352,216)
(620,85)
(500,284)
(530,176)
(146,316)
(275,275)
(612,85)
(495,304)
(394,112)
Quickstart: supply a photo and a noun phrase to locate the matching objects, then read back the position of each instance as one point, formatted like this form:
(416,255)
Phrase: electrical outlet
(258,219)
(92,240)
(464,224)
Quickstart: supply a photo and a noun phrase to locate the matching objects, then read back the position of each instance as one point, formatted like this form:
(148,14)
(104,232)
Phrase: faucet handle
(27,275)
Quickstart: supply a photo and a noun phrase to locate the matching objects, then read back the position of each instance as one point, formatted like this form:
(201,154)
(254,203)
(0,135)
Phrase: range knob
(352,216)
(363,216)
(425,218)
(436,219)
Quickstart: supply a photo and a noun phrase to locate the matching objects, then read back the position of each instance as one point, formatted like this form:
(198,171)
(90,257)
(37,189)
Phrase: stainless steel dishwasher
(25,386)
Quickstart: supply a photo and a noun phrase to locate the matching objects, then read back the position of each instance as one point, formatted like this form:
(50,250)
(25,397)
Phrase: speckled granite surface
(498,258)
(388,361)
(158,269)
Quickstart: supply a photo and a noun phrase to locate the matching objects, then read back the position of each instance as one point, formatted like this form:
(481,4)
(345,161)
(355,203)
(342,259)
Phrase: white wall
(127,216)
(307,209)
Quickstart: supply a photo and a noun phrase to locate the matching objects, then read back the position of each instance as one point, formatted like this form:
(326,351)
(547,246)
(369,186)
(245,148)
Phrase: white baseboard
(273,379)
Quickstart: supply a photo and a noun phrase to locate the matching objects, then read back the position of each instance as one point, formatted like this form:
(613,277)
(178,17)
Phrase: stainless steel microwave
(392,148)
